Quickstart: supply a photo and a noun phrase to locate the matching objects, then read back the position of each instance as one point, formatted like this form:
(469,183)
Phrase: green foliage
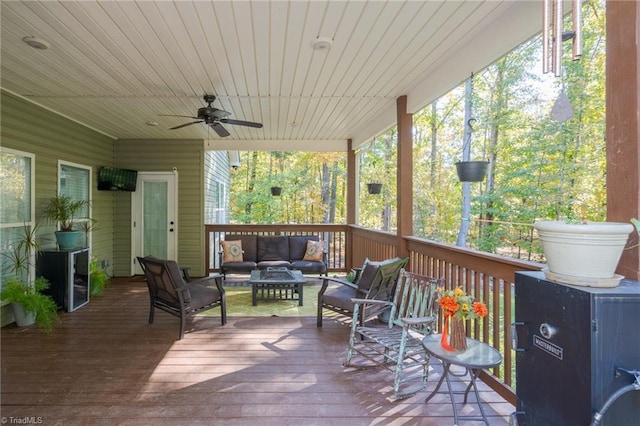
(540,168)
(313,188)
(378,164)
(63,209)
(19,253)
(32,300)
(16,287)
(98,277)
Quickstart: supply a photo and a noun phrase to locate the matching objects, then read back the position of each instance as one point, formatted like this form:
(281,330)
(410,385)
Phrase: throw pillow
(231,251)
(315,251)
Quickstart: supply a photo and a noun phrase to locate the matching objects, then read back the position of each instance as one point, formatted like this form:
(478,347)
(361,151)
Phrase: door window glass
(155,219)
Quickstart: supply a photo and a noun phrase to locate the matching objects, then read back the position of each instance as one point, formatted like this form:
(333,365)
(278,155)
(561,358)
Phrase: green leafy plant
(19,254)
(32,300)
(16,287)
(63,209)
(98,277)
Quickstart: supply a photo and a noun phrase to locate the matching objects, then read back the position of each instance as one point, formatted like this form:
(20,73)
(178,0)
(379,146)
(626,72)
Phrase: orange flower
(480,309)
(456,302)
(449,303)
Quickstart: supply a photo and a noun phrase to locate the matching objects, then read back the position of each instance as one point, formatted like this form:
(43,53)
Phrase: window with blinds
(74,180)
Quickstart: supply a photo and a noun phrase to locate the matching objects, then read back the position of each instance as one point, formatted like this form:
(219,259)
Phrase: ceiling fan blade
(221,131)
(183,116)
(186,124)
(219,113)
(241,123)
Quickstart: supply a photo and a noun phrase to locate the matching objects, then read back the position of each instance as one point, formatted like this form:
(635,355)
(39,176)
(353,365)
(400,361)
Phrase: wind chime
(553,35)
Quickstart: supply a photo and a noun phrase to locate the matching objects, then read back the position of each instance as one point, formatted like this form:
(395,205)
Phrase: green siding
(57,138)
(162,156)
(30,128)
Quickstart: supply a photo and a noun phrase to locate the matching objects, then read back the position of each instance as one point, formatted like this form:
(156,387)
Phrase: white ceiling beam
(276,145)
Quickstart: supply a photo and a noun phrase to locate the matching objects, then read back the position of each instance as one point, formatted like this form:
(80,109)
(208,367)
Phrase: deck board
(104,364)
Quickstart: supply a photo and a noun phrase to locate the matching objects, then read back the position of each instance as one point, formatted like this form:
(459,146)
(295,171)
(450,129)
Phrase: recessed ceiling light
(322,43)
(36,43)
(151,123)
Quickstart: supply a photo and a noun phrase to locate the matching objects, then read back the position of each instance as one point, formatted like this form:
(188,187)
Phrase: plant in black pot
(276,191)
(472,171)
(374,188)
(62,209)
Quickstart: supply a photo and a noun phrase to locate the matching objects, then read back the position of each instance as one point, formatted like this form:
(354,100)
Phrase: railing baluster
(487,276)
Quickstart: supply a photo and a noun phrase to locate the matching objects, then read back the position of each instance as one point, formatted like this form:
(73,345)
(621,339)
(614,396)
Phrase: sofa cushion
(314,252)
(309,267)
(249,246)
(202,295)
(298,245)
(367,276)
(274,264)
(273,247)
(176,276)
(238,267)
(231,251)
(340,297)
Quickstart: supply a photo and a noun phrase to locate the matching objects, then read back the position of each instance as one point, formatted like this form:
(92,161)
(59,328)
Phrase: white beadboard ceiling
(116,65)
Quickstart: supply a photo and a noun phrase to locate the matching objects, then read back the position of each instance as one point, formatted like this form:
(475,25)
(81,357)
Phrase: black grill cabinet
(570,340)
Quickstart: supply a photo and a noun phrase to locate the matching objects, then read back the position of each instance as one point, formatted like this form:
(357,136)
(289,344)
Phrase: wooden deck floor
(105,365)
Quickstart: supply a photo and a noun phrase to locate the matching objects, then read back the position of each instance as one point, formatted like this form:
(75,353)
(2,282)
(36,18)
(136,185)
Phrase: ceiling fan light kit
(213,117)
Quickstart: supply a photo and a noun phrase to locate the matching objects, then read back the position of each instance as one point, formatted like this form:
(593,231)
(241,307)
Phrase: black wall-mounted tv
(114,179)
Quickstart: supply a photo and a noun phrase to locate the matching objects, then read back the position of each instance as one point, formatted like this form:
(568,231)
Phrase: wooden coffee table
(276,284)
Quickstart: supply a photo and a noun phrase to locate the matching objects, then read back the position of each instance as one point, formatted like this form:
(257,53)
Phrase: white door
(154,217)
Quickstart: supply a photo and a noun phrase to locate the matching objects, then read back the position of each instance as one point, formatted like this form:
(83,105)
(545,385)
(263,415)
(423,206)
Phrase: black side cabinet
(68,273)
(570,341)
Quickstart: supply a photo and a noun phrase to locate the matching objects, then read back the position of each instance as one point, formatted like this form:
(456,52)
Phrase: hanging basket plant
(472,171)
(374,188)
(276,191)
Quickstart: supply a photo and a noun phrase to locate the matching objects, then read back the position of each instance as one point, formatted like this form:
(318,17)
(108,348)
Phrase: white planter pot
(583,254)
(22,317)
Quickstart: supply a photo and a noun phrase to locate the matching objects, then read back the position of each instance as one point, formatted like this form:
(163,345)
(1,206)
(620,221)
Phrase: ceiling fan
(214,117)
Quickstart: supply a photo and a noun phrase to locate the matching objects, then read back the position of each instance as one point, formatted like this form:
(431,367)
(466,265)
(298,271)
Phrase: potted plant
(472,171)
(29,303)
(374,187)
(585,253)
(62,209)
(276,191)
(98,277)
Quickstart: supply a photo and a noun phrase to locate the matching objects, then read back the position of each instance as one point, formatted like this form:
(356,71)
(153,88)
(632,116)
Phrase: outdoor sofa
(241,254)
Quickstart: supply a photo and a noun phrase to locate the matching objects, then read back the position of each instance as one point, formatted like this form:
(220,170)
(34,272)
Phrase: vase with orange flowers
(457,307)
